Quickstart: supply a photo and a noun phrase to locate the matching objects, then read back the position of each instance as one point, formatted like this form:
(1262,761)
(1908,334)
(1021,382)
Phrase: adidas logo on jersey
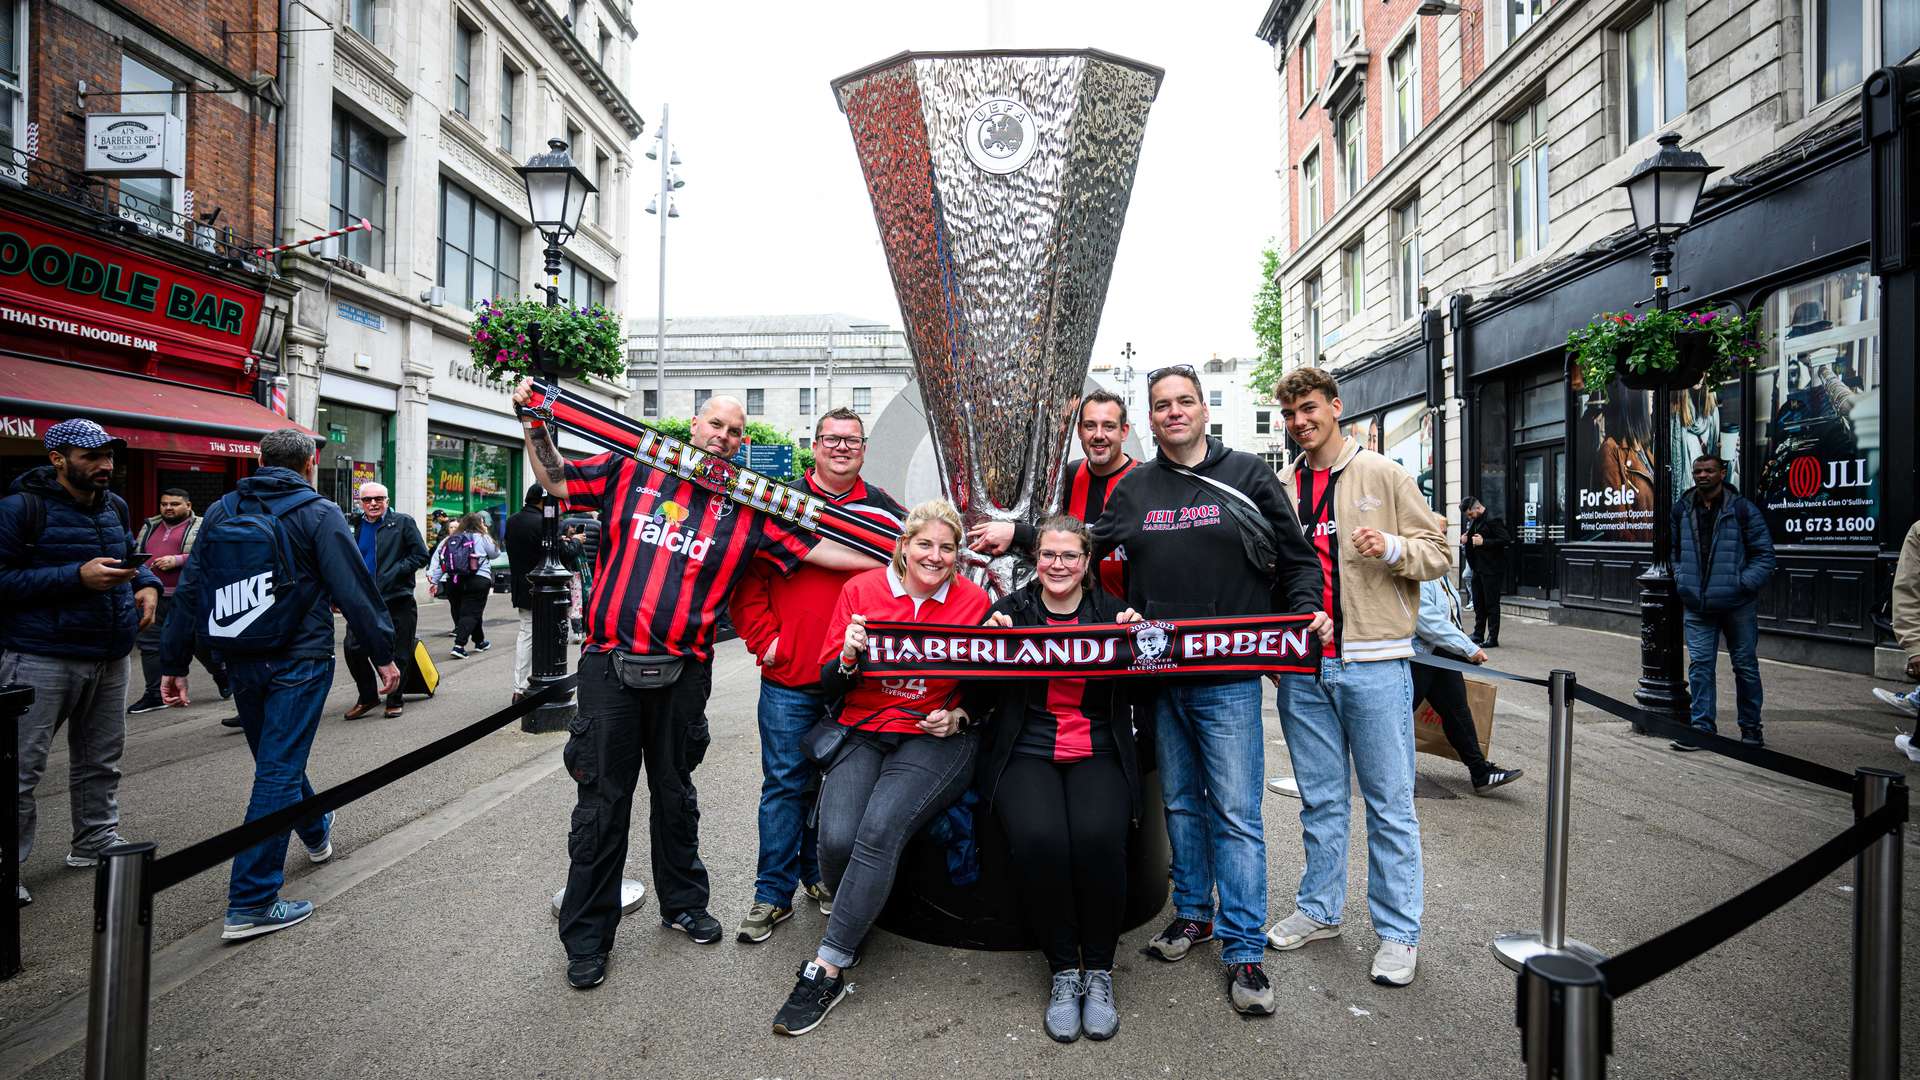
(237,605)
(653,531)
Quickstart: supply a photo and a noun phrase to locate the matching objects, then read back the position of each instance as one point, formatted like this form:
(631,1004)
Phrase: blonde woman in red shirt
(907,755)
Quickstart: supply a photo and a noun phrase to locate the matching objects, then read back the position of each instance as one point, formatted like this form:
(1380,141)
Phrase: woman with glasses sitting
(906,754)
(1061,774)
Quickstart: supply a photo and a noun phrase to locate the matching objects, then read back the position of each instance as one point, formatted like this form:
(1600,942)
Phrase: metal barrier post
(117,1000)
(1876,933)
(1514,950)
(13,705)
(1566,1021)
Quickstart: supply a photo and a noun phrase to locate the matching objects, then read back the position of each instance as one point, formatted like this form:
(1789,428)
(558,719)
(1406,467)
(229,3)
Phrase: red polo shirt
(898,704)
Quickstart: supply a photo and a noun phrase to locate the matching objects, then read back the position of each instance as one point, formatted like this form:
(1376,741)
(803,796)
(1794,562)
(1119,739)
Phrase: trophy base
(632,896)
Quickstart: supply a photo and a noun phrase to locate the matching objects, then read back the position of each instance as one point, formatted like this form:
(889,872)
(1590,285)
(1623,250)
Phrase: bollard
(1565,1018)
(13,705)
(1514,950)
(1876,933)
(122,950)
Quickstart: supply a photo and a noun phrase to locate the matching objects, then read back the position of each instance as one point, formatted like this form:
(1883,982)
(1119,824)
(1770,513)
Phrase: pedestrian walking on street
(1483,548)
(1722,557)
(276,558)
(75,603)
(1060,772)
(391,546)
(1906,632)
(452,598)
(780,620)
(908,752)
(524,537)
(1437,632)
(462,571)
(647,668)
(1207,731)
(168,537)
(1357,717)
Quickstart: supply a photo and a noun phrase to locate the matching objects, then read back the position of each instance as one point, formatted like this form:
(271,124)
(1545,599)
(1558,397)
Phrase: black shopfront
(1820,435)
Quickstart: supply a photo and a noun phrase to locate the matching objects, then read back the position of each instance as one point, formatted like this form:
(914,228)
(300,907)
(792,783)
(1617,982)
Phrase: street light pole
(662,206)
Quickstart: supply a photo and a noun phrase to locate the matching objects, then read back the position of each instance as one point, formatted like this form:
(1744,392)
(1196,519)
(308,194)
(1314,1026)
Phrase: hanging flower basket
(1666,350)
(511,338)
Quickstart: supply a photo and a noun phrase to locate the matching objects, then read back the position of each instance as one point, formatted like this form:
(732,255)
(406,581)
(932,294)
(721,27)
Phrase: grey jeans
(879,793)
(90,698)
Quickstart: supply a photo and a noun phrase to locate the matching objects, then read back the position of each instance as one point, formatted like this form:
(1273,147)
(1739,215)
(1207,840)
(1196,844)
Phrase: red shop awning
(148,413)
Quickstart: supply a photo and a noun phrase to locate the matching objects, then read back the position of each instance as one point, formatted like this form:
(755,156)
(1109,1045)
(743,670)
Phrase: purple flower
(520,339)
(483,335)
(500,357)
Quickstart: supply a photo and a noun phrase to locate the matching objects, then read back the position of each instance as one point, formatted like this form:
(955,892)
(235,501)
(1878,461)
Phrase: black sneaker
(146,704)
(226,691)
(1751,737)
(1180,936)
(815,993)
(1682,748)
(1249,990)
(484,646)
(703,928)
(1494,777)
(586,972)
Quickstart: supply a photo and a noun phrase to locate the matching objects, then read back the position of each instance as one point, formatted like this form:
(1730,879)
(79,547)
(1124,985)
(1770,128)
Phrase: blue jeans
(1742,629)
(1212,765)
(1362,711)
(279,702)
(789,855)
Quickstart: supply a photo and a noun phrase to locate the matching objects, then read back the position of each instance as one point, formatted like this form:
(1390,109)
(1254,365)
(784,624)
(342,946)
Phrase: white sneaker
(1905,703)
(1393,963)
(1284,785)
(1297,929)
(1904,743)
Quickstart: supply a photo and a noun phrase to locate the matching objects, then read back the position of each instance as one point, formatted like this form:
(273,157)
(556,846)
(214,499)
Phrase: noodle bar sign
(70,284)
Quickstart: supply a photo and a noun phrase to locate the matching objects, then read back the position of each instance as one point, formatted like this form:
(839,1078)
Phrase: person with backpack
(273,560)
(462,571)
(74,606)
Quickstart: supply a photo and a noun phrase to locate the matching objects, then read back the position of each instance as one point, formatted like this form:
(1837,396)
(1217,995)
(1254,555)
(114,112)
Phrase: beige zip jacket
(1379,598)
(1906,594)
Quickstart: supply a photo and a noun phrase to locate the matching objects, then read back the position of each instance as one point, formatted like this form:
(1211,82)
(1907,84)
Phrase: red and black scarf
(1238,645)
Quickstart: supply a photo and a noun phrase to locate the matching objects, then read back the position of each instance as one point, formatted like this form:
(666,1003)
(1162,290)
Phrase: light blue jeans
(1362,711)
(1212,764)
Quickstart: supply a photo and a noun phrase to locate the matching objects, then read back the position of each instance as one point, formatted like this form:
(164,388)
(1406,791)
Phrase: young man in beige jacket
(1377,540)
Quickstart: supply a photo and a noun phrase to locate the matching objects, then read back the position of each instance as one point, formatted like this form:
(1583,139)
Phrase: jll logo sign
(1804,478)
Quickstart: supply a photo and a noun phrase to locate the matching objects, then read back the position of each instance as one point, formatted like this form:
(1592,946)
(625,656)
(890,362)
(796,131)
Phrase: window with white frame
(1310,308)
(1522,14)
(649,403)
(806,401)
(465,38)
(1351,141)
(360,17)
(1213,399)
(1527,181)
(509,90)
(863,399)
(13,70)
(1263,422)
(1653,65)
(1406,259)
(1309,67)
(756,402)
(144,88)
(357,189)
(1353,269)
(1309,194)
(1346,23)
(1850,37)
(1403,102)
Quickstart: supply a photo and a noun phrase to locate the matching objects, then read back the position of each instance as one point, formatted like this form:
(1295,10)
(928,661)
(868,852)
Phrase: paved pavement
(433,952)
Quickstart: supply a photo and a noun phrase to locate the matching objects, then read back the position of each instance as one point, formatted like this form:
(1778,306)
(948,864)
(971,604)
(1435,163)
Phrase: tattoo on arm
(548,455)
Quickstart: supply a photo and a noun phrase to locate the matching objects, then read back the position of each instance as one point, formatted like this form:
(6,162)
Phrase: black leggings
(1066,825)
(469,607)
(1446,691)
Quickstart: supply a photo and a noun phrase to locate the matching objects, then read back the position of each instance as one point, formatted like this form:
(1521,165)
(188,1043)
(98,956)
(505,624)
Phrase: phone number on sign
(1826,525)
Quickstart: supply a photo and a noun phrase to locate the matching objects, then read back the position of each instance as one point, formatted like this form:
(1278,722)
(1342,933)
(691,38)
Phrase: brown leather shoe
(360,709)
(394,710)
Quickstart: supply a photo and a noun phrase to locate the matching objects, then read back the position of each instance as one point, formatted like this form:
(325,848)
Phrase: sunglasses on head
(1157,374)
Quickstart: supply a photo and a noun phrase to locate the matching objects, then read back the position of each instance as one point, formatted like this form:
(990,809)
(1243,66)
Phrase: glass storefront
(466,475)
(359,449)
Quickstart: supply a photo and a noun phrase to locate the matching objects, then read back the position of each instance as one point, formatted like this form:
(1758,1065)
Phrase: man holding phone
(76,601)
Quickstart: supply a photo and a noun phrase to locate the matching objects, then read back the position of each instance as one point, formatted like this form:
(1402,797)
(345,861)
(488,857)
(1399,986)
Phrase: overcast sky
(774,218)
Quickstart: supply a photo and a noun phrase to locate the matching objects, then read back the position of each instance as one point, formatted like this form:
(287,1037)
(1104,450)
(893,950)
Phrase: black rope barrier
(211,852)
(1642,964)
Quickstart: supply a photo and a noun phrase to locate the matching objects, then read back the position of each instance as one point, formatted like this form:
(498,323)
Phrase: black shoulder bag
(1257,538)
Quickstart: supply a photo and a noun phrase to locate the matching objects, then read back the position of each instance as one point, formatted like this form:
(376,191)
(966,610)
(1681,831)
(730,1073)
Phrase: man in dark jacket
(525,532)
(168,537)
(1483,543)
(393,550)
(68,625)
(1722,558)
(1208,735)
(280,693)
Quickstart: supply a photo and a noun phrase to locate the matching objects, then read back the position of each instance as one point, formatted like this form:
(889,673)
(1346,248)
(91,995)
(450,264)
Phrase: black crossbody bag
(1257,538)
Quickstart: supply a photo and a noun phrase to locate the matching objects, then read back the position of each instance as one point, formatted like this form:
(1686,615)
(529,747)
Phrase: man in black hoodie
(1179,518)
(280,694)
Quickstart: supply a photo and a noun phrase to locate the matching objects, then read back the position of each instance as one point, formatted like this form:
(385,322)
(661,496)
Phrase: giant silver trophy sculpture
(1000,181)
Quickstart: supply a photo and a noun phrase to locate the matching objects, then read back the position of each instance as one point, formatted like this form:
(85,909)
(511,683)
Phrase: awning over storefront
(149,414)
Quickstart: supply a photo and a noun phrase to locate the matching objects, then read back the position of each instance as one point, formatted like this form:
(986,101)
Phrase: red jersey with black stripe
(1070,721)
(1317,517)
(1086,499)
(670,553)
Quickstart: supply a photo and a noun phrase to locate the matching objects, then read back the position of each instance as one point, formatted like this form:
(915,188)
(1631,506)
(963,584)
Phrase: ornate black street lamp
(556,193)
(1663,191)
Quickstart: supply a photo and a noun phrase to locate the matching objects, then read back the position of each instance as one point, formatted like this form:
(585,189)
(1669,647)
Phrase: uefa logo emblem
(1000,135)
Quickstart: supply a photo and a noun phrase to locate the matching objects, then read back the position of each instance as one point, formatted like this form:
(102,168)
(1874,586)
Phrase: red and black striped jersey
(1322,526)
(1070,721)
(670,553)
(1087,500)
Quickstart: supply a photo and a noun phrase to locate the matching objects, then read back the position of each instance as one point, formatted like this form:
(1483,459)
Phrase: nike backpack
(253,591)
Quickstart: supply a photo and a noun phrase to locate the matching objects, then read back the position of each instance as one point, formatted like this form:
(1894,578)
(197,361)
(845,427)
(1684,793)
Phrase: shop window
(13,69)
(1542,410)
(1406,438)
(358,450)
(152,202)
(863,399)
(1653,62)
(1365,431)
(1527,181)
(467,475)
(479,248)
(1403,101)
(756,402)
(1407,268)
(360,17)
(509,89)
(465,39)
(1816,412)
(358,189)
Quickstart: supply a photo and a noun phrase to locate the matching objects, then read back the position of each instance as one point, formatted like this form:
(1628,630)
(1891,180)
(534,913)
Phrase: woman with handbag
(893,753)
(1062,775)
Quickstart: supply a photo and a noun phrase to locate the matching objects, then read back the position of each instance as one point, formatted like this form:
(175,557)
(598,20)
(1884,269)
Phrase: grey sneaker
(81,859)
(1393,963)
(760,921)
(1297,929)
(1098,1015)
(820,894)
(1063,1009)
(1249,990)
(1180,936)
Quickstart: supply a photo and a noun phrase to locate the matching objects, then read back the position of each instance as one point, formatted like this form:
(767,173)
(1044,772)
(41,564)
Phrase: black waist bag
(637,672)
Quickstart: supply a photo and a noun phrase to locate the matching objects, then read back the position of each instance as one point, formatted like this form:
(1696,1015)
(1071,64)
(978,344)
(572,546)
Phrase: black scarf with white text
(1237,645)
